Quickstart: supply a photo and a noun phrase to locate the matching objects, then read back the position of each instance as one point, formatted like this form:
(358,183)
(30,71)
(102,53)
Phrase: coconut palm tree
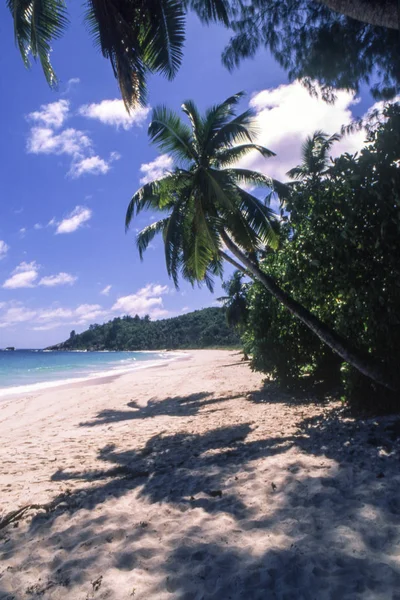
(137,36)
(235,301)
(315,156)
(210,216)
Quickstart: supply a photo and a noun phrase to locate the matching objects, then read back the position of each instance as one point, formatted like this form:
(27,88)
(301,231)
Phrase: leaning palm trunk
(384,13)
(365,364)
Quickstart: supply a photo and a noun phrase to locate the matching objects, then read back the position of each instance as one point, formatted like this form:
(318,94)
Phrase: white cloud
(80,315)
(51,115)
(147,300)
(286,115)
(22,231)
(16,314)
(37,226)
(46,327)
(43,140)
(4,248)
(74,220)
(54,313)
(23,276)
(70,84)
(88,312)
(43,319)
(156,168)
(106,290)
(113,112)
(93,165)
(47,137)
(60,279)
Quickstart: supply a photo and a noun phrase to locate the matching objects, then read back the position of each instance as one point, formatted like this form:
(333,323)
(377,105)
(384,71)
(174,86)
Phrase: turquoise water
(28,370)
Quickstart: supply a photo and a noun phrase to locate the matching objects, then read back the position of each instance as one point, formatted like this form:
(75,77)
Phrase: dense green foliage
(204,328)
(339,256)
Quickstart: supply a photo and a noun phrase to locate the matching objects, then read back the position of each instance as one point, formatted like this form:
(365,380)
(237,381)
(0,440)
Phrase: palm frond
(219,115)
(37,23)
(241,129)
(254,178)
(315,155)
(164,40)
(196,123)
(117,29)
(230,156)
(261,218)
(211,10)
(147,234)
(167,131)
(155,195)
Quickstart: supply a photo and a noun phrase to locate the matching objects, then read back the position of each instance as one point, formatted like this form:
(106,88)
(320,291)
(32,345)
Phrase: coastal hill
(204,328)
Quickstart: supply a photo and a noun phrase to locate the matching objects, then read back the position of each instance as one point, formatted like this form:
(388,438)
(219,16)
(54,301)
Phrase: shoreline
(33,388)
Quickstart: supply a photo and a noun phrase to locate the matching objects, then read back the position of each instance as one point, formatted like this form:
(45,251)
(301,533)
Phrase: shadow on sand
(188,471)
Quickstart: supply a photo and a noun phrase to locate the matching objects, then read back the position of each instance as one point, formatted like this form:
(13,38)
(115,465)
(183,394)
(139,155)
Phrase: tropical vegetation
(340,44)
(339,256)
(206,328)
(210,215)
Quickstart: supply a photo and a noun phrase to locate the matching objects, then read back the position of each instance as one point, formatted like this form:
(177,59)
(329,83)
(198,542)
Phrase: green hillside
(199,329)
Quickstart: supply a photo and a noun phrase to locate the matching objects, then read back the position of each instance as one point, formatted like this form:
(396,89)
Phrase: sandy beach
(195,481)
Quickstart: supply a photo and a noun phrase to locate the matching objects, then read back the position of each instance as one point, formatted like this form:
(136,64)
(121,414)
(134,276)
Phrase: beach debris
(215,493)
(96,584)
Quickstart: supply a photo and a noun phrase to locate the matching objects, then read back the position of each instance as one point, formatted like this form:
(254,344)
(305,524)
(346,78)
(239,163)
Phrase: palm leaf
(147,234)
(260,218)
(37,23)
(241,129)
(164,40)
(211,10)
(196,122)
(230,156)
(167,131)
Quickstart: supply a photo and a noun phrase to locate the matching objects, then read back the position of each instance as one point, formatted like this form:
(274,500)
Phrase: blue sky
(71,160)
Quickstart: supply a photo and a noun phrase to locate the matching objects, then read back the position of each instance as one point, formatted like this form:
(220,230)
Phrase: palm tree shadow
(173,406)
(316,510)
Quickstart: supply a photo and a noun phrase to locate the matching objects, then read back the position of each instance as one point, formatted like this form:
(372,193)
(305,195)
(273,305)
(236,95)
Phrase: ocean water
(28,370)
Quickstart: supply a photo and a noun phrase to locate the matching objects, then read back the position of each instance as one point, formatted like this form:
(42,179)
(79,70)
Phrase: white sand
(190,482)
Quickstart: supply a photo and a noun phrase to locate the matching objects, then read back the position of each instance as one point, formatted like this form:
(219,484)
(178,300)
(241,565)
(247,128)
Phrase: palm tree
(315,156)
(211,218)
(235,301)
(137,36)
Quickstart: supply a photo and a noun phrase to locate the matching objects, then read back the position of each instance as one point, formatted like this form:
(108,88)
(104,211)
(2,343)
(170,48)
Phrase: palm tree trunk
(363,363)
(384,13)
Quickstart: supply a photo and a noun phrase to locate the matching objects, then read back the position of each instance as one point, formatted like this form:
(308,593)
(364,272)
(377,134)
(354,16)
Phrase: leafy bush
(339,257)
